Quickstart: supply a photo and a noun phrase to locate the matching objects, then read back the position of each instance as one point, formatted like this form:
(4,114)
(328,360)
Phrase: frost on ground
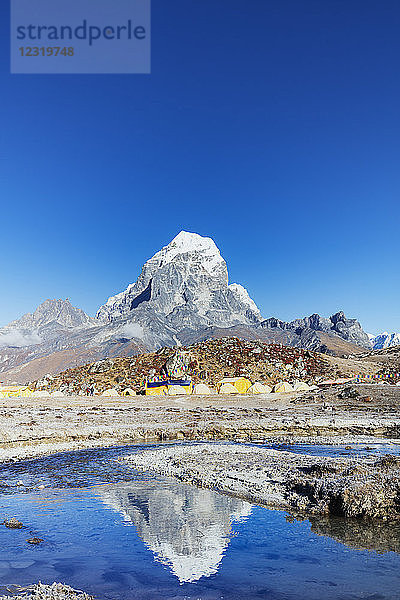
(360,488)
(55,591)
(35,427)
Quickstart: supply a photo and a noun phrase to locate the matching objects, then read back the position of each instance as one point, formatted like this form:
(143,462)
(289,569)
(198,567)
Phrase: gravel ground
(33,427)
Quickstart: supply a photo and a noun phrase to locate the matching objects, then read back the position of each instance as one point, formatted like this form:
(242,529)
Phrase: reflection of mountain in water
(186,528)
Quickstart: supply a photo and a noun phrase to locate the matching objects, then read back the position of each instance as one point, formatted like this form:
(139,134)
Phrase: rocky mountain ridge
(307,332)
(51,319)
(385,340)
(182,295)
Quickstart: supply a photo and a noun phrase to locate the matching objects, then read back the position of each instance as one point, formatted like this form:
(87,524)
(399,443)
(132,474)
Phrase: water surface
(121,535)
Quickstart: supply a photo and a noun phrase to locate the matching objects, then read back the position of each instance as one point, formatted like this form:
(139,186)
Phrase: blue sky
(271,126)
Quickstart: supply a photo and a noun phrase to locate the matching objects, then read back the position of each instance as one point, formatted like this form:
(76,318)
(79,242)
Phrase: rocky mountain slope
(210,361)
(51,320)
(181,296)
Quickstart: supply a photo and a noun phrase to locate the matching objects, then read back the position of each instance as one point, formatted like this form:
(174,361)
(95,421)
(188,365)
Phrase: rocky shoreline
(55,591)
(347,487)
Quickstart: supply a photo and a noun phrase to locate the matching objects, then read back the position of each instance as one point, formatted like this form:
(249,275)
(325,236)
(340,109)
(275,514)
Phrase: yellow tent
(283,388)
(227,388)
(110,393)
(129,392)
(178,390)
(159,390)
(15,391)
(201,389)
(259,388)
(301,386)
(240,383)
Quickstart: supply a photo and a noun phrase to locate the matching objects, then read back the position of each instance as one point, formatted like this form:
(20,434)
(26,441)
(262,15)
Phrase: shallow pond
(120,535)
(373,449)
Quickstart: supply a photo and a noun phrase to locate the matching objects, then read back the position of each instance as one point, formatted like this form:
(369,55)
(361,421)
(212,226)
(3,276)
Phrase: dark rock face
(349,329)
(273,322)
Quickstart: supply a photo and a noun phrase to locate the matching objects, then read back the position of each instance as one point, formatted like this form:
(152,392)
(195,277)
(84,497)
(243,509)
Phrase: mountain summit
(54,311)
(51,319)
(186,285)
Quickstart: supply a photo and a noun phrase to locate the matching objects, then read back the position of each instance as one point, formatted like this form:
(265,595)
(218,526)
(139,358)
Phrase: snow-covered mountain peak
(191,243)
(186,283)
(385,340)
(186,241)
(243,295)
